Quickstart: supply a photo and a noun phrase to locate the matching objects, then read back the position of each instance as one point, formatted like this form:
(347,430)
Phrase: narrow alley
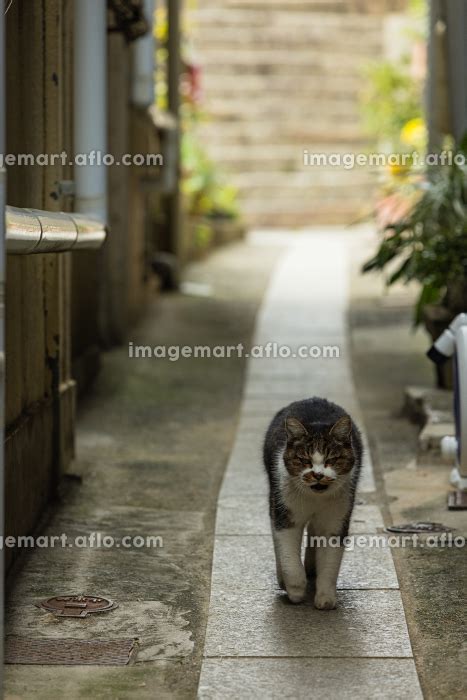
(233,349)
(230,630)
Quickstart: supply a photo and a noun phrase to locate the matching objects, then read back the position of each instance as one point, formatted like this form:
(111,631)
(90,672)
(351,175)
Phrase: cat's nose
(317,476)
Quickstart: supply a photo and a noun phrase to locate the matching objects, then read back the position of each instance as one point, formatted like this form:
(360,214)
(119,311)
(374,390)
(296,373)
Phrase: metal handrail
(30,231)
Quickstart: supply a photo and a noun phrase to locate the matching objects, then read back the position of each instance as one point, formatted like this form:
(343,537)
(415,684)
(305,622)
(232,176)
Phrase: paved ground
(154,439)
(257,644)
(433,580)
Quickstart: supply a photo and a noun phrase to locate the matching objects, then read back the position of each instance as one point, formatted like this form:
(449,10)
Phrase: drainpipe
(142,88)
(2,322)
(90,99)
(456,15)
(174,69)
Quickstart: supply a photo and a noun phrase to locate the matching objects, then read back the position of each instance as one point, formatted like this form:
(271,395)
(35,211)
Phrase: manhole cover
(419,527)
(76,605)
(69,652)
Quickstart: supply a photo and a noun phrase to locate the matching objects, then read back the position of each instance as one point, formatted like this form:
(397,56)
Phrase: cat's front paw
(296,589)
(296,594)
(325,600)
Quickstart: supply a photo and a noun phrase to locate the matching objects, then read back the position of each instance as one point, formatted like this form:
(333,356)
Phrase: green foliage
(203,236)
(206,193)
(418,8)
(430,244)
(390,99)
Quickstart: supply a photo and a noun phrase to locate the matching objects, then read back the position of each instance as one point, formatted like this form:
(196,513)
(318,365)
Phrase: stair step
(264,213)
(281,77)
(272,206)
(285,58)
(274,152)
(304,219)
(287,19)
(306,37)
(337,7)
(277,109)
(334,87)
(283,158)
(303,196)
(316,178)
(305,135)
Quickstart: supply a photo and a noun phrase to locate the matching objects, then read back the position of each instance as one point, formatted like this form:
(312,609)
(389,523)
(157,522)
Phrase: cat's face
(319,458)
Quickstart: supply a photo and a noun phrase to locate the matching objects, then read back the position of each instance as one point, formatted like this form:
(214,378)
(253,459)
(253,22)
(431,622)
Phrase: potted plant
(429,245)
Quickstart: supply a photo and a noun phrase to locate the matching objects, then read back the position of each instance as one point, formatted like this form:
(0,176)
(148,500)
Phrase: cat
(313,456)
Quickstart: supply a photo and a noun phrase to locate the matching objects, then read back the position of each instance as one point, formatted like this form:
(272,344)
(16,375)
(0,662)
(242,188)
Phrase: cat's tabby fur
(313,456)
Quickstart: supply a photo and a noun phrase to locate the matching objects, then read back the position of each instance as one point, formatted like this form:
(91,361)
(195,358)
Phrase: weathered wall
(39,388)
(126,255)
(62,309)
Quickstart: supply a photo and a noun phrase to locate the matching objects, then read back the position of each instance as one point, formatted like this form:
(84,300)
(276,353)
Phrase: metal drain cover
(419,527)
(76,605)
(69,652)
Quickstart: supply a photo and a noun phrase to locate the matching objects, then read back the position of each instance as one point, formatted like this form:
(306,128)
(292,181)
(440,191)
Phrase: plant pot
(456,296)
(436,319)
(227,229)
(203,233)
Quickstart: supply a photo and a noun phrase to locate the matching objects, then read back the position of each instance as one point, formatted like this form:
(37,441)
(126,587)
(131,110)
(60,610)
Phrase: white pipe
(461,344)
(90,100)
(446,342)
(2,325)
(34,231)
(142,87)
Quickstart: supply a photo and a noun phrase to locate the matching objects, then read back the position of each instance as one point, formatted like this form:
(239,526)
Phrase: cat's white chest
(319,508)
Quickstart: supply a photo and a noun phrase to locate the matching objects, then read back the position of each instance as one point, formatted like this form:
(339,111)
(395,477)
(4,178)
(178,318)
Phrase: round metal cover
(76,605)
(419,527)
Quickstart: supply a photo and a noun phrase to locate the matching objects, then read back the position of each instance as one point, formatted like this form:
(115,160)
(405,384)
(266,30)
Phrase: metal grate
(419,527)
(69,652)
(457,500)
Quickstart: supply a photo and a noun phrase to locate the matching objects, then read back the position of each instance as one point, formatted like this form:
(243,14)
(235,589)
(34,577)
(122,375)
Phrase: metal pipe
(90,99)
(174,61)
(33,231)
(142,87)
(456,16)
(174,69)
(461,418)
(2,324)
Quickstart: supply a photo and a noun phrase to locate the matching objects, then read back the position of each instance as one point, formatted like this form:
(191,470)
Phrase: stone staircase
(279,77)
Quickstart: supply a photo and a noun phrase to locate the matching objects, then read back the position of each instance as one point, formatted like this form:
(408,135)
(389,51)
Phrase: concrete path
(432,579)
(257,643)
(153,440)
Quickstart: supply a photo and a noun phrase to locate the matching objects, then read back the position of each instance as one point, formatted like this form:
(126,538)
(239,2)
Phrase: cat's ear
(342,429)
(295,430)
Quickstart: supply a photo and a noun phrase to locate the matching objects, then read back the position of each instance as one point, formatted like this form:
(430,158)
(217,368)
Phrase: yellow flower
(398,170)
(160,25)
(414,133)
